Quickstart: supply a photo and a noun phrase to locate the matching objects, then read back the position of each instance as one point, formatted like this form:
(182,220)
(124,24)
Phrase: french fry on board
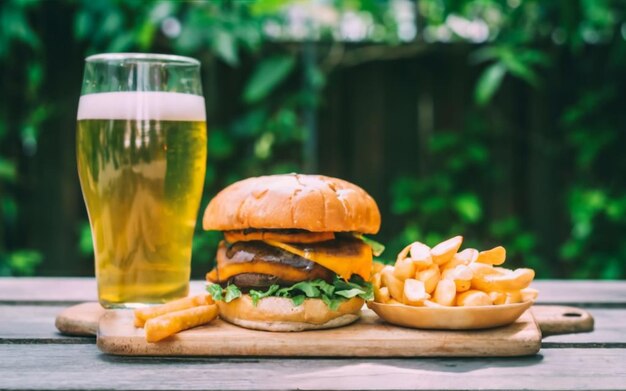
(171,323)
(143,314)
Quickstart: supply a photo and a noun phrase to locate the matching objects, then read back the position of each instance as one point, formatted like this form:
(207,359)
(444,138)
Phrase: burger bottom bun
(280,314)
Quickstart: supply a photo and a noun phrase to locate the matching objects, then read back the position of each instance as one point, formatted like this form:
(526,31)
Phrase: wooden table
(34,356)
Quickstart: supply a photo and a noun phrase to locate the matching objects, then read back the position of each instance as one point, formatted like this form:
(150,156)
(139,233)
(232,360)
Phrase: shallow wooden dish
(450,318)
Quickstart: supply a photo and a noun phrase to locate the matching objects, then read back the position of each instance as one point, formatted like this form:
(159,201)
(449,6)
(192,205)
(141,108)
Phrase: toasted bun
(279,314)
(314,203)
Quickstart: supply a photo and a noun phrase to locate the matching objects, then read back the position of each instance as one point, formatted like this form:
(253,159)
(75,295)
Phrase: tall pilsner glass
(141,146)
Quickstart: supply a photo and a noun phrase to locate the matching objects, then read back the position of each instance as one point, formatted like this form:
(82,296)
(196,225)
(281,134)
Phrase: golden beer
(141,163)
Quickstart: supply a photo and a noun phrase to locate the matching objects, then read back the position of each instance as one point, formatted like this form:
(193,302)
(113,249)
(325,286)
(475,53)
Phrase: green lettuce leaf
(215,291)
(351,293)
(232,293)
(228,294)
(332,294)
(298,300)
(258,295)
(377,248)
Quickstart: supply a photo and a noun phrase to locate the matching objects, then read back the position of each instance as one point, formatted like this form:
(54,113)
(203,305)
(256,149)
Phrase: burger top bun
(314,203)
(280,314)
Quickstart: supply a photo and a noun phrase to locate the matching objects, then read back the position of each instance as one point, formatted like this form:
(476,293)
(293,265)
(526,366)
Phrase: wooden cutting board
(368,337)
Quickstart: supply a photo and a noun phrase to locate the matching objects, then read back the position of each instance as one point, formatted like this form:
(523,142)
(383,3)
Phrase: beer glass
(141,149)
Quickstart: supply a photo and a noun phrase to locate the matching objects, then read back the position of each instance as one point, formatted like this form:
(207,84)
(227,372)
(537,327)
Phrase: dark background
(502,121)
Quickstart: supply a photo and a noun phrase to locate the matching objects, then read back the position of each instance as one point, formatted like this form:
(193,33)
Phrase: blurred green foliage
(526,38)
(519,40)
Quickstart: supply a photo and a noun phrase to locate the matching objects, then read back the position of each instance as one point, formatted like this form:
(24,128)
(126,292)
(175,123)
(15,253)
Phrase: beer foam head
(142,105)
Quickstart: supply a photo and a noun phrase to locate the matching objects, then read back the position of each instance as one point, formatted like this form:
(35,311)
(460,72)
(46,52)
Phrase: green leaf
(258,295)
(333,304)
(220,145)
(24,262)
(488,53)
(122,42)
(82,25)
(354,292)
(488,83)
(215,291)
(226,47)
(377,248)
(146,35)
(468,207)
(7,170)
(519,69)
(232,293)
(298,300)
(327,288)
(332,294)
(85,240)
(308,288)
(267,76)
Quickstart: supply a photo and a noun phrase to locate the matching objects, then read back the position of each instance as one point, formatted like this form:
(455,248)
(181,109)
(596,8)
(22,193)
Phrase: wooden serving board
(368,337)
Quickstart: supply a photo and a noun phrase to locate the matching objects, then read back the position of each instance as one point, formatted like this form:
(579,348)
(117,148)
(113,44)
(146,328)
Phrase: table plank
(65,290)
(609,331)
(582,292)
(35,323)
(56,366)
(56,290)
(72,290)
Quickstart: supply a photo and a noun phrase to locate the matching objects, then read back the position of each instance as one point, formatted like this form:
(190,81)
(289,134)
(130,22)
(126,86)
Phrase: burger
(293,256)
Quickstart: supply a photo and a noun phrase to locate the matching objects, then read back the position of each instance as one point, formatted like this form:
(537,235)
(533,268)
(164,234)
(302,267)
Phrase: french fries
(143,314)
(506,282)
(420,255)
(495,256)
(430,277)
(444,251)
(405,268)
(167,319)
(394,284)
(168,324)
(461,275)
(445,293)
(473,298)
(443,276)
(414,292)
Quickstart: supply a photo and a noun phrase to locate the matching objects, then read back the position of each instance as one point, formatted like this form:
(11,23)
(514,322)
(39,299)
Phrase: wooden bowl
(450,318)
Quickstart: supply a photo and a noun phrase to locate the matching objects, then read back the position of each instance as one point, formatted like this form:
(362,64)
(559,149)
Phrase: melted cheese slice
(343,264)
